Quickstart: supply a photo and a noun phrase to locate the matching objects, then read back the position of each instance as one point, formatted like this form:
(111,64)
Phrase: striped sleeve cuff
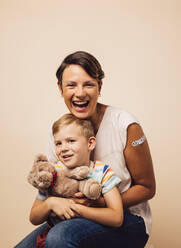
(110,184)
(41,196)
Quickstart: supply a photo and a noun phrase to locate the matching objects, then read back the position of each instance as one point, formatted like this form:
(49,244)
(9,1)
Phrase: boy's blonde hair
(67,119)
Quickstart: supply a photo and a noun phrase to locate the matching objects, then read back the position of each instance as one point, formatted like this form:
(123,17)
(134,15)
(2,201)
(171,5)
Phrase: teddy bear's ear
(40,158)
(30,177)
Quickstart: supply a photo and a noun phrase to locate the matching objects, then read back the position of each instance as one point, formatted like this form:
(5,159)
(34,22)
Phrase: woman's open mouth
(80,105)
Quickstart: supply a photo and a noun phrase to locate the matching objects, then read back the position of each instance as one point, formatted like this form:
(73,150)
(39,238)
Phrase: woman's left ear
(91,143)
(100,87)
(60,88)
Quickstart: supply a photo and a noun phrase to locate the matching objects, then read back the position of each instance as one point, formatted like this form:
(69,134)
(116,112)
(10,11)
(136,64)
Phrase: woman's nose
(80,92)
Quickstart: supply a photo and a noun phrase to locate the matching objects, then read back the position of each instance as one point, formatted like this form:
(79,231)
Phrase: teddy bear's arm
(90,188)
(78,173)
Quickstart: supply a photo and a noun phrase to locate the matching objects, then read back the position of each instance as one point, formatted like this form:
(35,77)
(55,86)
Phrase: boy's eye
(71,141)
(58,143)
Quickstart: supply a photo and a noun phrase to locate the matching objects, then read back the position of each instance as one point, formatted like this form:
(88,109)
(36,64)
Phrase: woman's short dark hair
(88,62)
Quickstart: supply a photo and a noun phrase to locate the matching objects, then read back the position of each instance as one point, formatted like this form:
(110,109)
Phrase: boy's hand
(81,199)
(62,207)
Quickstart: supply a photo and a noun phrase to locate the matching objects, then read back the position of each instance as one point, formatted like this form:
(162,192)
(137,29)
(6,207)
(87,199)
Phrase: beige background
(139,46)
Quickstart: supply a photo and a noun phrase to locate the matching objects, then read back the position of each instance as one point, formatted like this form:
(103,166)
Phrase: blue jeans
(84,233)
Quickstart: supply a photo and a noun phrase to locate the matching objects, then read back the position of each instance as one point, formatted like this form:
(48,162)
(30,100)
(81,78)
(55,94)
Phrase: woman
(120,143)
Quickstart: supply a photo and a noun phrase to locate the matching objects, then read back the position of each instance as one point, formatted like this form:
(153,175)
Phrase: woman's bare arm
(139,164)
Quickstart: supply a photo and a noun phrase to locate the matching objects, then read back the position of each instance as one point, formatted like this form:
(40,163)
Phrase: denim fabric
(83,233)
(30,240)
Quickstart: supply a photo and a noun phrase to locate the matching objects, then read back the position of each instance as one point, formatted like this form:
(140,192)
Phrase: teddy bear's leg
(90,188)
(78,173)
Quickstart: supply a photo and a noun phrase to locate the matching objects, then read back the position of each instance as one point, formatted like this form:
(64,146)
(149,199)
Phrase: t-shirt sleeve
(109,179)
(125,119)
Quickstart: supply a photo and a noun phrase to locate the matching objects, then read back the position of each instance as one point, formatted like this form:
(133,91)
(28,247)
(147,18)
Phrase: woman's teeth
(81,105)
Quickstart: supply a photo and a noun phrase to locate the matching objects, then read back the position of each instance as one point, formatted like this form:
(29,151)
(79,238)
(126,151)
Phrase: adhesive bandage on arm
(139,141)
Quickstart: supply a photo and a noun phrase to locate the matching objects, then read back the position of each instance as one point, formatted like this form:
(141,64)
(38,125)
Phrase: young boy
(74,141)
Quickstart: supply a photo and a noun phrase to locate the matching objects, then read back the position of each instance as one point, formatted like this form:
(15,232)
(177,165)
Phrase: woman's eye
(89,84)
(70,85)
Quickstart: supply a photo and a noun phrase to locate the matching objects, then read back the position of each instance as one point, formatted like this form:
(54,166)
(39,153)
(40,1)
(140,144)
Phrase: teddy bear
(64,182)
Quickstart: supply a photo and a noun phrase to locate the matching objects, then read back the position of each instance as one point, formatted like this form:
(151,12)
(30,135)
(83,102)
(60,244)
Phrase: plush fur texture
(64,183)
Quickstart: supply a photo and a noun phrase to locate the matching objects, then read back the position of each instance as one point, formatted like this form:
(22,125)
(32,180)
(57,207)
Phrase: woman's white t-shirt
(110,144)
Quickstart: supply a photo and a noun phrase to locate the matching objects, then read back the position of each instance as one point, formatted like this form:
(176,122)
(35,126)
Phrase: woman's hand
(80,198)
(62,207)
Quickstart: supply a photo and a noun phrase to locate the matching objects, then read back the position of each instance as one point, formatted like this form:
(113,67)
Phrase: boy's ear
(91,143)
(60,88)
